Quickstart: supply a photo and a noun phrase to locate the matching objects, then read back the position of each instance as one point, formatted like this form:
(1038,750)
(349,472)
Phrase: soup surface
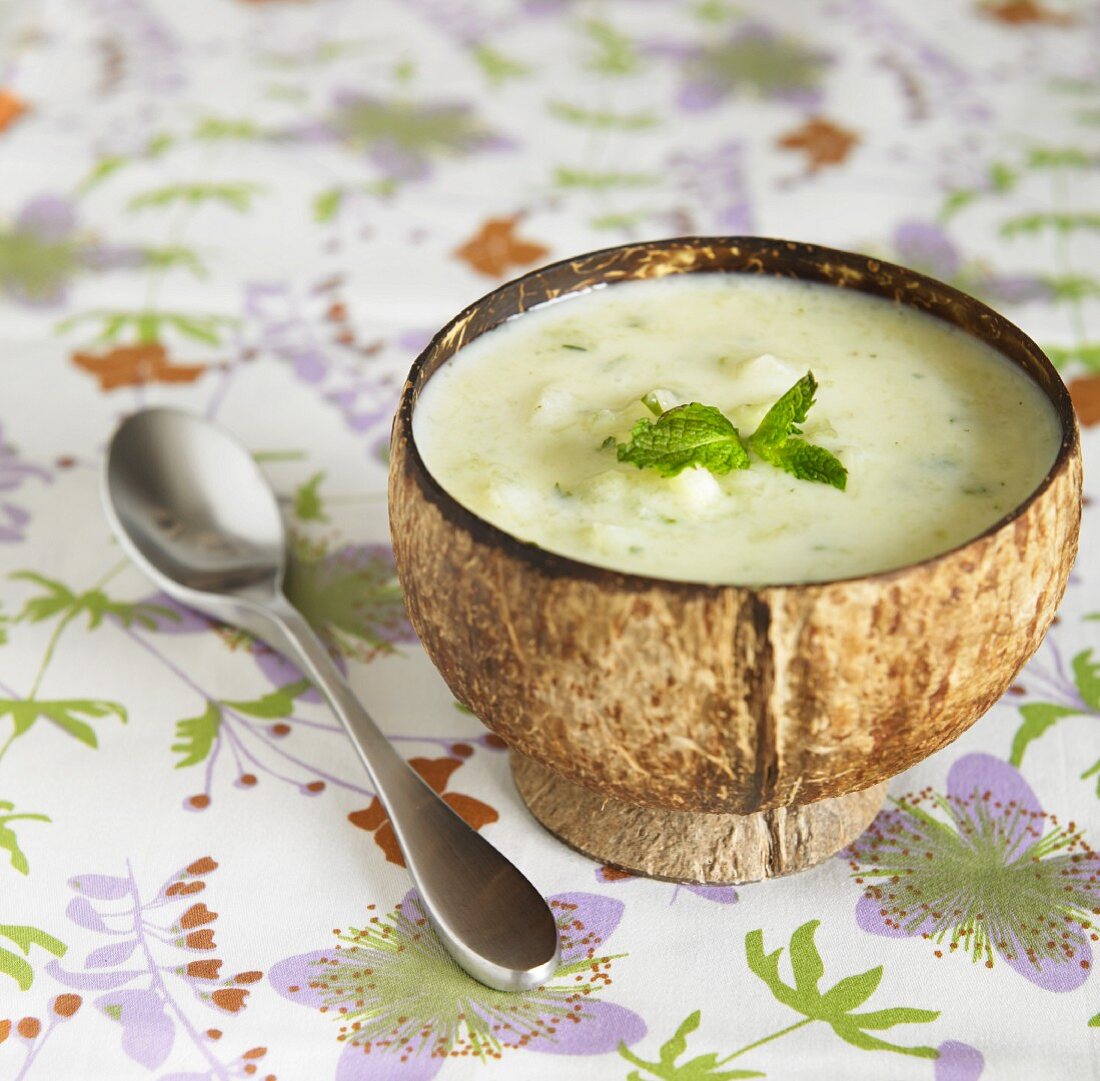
(940,435)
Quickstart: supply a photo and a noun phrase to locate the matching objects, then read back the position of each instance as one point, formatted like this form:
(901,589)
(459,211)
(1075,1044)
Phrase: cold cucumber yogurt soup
(733,429)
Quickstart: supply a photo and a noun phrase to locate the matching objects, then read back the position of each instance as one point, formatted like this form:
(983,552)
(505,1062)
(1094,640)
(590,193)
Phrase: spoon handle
(491,919)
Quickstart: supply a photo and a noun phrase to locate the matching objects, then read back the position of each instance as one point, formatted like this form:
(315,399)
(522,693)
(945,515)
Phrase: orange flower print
(135,365)
(495,249)
(1085,392)
(12,107)
(436,772)
(230,999)
(1026,12)
(66,1005)
(822,141)
(30,1030)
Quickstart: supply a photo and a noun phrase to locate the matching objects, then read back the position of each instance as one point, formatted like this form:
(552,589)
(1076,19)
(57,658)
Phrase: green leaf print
(601,119)
(216,129)
(106,167)
(1073,287)
(327,205)
(236,197)
(37,266)
(615,53)
(24,937)
(956,201)
(1061,157)
(1037,718)
(583,178)
(422,129)
(307,500)
(57,599)
(701,1068)
(496,67)
(148,326)
(835,1005)
(1040,716)
(1087,353)
(175,256)
(1086,674)
(196,735)
(1040,222)
(64,713)
(8,841)
(350,596)
(279,703)
(1002,177)
(714,11)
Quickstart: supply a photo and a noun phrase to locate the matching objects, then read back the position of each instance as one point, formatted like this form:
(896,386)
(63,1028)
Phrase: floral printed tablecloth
(260,211)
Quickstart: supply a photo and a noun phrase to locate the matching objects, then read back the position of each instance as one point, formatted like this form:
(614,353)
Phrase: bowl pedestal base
(691,846)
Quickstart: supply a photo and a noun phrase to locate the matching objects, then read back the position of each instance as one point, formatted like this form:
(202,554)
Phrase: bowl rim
(555,565)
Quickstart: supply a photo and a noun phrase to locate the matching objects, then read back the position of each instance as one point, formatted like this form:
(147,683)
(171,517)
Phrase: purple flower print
(463,22)
(401,138)
(153,53)
(927,247)
(294,329)
(283,328)
(984,870)
(159,953)
(953,86)
(43,251)
(404,1007)
(280,671)
(754,60)
(13,523)
(351,595)
(13,472)
(40,253)
(958,1062)
(714,179)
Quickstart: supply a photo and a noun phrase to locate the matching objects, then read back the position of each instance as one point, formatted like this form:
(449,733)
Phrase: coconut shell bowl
(717,733)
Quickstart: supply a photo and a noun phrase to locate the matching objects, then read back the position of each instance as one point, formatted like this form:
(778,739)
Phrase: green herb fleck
(777,442)
(688,435)
(576,348)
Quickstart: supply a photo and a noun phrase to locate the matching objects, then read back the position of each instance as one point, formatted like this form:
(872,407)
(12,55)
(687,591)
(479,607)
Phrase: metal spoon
(190,507)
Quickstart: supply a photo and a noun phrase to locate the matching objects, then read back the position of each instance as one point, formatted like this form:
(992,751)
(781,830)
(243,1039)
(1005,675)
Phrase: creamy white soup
(940,435)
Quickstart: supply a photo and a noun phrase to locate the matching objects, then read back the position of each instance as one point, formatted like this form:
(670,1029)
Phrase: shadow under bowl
(723,733)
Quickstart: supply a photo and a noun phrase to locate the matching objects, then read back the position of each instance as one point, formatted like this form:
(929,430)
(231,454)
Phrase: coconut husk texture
(726,699)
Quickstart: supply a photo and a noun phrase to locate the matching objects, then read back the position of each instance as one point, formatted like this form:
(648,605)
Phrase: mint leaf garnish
(688,435)
(782,420)
(702,436)
(777,439)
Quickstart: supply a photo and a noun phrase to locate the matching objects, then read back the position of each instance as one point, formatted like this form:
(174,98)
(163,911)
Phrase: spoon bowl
(204,538)
(190,506)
